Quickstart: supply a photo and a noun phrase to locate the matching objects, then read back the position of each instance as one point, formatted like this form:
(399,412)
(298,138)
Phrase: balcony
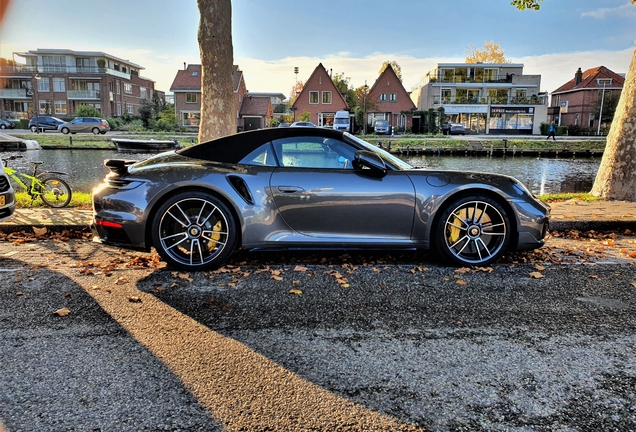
(533,100)
(83,94)
(19,93)
(32,70)
(478,79)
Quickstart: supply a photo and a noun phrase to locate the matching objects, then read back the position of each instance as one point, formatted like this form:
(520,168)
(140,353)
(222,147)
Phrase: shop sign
(512,110)
(464,109)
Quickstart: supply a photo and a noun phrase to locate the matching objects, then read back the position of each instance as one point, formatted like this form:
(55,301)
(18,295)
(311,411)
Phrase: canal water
(541,175)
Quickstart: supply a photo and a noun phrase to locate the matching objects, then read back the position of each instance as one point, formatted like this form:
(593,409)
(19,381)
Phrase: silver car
(95,125)
(308,188)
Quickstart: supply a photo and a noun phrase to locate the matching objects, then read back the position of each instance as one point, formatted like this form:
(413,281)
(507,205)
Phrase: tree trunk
(616,178)
(218,113)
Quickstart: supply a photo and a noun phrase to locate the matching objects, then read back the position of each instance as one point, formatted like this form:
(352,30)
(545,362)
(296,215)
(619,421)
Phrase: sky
(353,37)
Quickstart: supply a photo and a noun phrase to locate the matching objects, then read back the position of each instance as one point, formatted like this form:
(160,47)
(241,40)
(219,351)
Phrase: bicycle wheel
(55,192)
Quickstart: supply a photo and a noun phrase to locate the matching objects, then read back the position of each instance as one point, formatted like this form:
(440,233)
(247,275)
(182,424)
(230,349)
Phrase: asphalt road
(539,341)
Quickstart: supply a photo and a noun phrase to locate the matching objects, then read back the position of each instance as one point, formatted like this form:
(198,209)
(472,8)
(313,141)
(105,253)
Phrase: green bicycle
(54,191)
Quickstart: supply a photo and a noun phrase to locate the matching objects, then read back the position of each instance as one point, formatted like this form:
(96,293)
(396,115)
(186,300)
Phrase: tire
(472,231)
(56,193)
(2,126)
(95,131)
(194,231)
(34,129)
(65,130)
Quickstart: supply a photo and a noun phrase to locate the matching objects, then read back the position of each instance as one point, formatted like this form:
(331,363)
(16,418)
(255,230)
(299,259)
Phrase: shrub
(87,111)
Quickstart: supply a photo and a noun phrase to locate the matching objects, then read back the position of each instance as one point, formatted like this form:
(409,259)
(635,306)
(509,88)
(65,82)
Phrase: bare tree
(218,113)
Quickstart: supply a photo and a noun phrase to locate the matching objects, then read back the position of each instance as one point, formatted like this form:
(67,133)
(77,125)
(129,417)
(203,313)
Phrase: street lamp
(364,119)
(600,114)
(36,108)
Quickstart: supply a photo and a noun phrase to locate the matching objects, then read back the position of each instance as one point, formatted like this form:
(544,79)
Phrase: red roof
(589,78)
(189,79)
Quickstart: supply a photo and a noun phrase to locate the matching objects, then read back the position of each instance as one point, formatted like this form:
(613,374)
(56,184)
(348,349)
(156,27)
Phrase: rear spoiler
(118,167)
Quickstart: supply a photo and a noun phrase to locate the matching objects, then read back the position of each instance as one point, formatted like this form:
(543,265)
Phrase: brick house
(320,97)
(186,87)
(256,112)
(575,101)
(392,100)
(58,81)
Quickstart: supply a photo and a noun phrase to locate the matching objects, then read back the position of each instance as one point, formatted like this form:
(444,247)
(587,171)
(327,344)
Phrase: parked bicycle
(54,191)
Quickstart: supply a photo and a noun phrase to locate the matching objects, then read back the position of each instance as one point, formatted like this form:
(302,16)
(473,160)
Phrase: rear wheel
(194,231)
(472,231)
(56,192)
(34,129)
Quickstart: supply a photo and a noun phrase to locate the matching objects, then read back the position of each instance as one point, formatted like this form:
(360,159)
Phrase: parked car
(449,128)
(44,123)
(302,124)
(308,188)
(85,124)
(6,124)
(7,197)
(284,125)
(381,127)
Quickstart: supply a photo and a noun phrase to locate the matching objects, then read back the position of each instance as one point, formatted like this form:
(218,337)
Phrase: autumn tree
(342,84)
(616,177)
(218,116)
(396,68)
(295,91)
(491,53)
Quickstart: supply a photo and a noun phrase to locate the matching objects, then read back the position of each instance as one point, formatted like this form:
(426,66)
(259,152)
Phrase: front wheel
(96,131)
(65,130)
(34,129)
(194,231)
(472,231)
(55,192)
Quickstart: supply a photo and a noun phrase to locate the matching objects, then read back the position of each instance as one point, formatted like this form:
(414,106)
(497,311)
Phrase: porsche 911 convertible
(312,188)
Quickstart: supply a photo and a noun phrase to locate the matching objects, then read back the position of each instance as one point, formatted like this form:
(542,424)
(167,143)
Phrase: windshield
(341,121)
(388,157)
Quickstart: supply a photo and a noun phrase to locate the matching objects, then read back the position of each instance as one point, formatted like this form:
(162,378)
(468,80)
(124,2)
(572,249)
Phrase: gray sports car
(288,188)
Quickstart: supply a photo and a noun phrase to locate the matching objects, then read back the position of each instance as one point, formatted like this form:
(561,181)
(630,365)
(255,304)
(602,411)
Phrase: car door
(319,194)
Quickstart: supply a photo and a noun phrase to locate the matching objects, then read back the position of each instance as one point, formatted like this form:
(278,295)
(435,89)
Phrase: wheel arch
(495,195)
(171,193)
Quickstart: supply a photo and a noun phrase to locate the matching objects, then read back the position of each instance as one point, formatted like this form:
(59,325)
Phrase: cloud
(624,10)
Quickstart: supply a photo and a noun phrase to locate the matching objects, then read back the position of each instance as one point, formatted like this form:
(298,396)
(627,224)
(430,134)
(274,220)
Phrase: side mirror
(368,159)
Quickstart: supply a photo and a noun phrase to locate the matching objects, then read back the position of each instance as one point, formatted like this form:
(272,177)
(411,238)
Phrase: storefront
(511,120)
(473,117)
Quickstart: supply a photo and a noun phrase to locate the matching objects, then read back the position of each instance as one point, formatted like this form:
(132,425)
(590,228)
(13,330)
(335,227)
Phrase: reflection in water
(540,175)
(86,168)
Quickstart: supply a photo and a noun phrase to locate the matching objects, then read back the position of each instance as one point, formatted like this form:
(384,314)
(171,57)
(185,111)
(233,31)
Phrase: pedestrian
(552,131)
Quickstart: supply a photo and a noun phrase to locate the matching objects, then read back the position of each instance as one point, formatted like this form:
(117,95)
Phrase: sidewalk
(571,214)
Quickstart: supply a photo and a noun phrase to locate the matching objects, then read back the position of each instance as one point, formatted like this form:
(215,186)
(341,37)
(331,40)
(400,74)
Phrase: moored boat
(140,146)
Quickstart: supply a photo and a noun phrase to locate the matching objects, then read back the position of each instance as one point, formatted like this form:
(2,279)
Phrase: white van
(341,121)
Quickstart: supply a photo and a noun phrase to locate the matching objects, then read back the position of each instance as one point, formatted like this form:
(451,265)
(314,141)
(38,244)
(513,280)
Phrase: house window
(392,97)
(191,118)
(128,88)
(54,63)
(60,107)
(45,107)
(326,97)
(191,98)
(59,85)
(313,97)
(490,75)
(119,108)
(129,108)
(446,95)
(521,93)
(604,81)
(382,97)
(143,93)
(44,85)
(447,75)
(118,90)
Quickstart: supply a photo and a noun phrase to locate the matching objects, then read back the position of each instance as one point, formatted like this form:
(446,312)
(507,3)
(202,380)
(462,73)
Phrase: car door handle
(290,189)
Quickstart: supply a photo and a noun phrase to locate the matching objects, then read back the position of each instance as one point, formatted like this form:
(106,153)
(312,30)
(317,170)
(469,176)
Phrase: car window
(262,156)
(314,152)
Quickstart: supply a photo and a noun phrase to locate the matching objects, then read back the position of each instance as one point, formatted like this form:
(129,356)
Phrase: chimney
(578,77)
(184,66)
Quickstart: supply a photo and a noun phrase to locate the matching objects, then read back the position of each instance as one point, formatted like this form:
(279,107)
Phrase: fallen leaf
(277,278)
(134,299)
(295,291)
(18,280)
(63,312)
(462,270)
(536,275)
(539,267)
(300,269)
(594,276)
(39,232)
(461,282)
(121,280)
(19,293)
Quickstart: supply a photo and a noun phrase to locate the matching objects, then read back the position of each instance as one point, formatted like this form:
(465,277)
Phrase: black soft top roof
(233,148)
